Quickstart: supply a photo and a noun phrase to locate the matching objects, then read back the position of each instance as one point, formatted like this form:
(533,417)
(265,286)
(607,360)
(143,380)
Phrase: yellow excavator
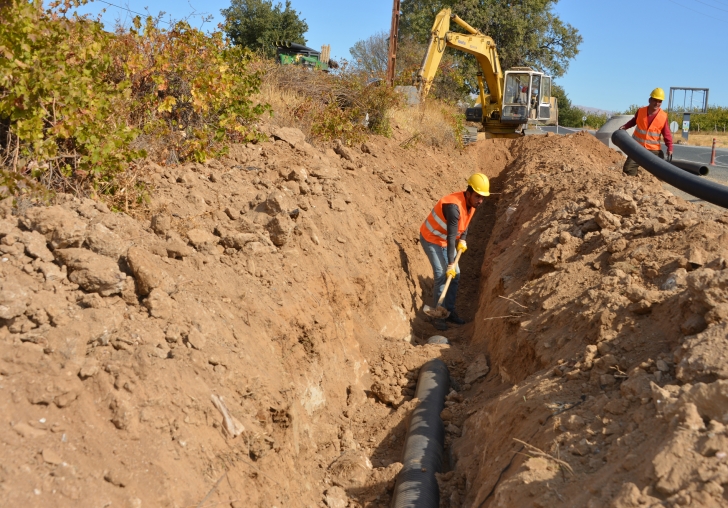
(515,98)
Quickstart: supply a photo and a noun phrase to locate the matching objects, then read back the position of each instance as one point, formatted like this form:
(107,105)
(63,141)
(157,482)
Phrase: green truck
(291,53)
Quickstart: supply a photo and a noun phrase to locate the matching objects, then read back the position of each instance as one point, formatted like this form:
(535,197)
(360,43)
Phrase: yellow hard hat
(658,93)
(480,184)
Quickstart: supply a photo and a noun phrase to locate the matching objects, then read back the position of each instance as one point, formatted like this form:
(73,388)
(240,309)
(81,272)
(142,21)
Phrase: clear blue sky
(629,48)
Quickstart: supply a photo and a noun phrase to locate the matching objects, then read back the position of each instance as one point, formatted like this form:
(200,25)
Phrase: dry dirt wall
(602,310)
(257,341)
(278,285)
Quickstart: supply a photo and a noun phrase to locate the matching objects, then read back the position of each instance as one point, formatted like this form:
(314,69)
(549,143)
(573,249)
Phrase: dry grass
(704,139)
(432,123)
(296,95)
(287,106)
(345,106)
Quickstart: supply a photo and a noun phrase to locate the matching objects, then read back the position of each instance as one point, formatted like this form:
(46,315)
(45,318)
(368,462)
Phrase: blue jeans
(438,259)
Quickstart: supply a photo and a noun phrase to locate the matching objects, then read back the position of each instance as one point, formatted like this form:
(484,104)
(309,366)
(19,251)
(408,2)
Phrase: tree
(569,116)
(526,32)
(371,57)
(258,24)
(371,54)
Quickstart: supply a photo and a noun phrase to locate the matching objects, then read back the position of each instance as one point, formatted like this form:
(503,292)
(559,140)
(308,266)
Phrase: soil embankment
(282,282)
(257,342)
(602,311)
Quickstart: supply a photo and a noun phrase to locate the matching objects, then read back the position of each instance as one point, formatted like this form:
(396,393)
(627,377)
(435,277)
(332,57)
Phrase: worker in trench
(650,122)
(443,234)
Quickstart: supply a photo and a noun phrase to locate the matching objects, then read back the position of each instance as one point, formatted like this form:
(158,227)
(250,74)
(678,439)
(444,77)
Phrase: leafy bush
(189,89)
(569,116)
(78,104)
(57,109)
(714,120)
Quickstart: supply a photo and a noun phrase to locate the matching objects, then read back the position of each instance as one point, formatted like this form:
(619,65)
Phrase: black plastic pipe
(695,168)
(423,448)
(700,188)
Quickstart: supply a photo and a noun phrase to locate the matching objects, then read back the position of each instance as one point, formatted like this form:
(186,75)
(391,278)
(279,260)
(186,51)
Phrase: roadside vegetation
(345,105)
(571,116)
(83,110)
(703,126)
(80,107)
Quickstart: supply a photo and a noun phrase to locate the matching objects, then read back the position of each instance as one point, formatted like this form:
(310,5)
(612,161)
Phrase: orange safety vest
(649,135)
(434,229)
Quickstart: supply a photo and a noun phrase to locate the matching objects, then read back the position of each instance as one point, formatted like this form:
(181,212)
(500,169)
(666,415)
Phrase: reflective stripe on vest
(649,135)
(437,219)
(434,228)
(434,231)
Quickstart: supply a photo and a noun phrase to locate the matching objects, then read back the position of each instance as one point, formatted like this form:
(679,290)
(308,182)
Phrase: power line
(720,2)
(127,9)
(698,12)
(711,6)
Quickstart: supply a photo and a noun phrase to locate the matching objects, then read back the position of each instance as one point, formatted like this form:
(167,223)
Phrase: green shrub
(332,122)
(78,104)
(59,113)
(187,88)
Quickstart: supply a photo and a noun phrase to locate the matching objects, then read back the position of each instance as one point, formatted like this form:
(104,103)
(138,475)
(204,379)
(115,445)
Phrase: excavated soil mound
(254,344)
(603,312)
(257,341)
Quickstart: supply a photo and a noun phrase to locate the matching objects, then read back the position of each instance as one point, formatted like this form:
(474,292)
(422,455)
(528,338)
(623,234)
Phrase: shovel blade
(437,312)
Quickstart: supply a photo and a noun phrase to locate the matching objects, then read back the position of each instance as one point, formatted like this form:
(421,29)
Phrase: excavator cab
(526,97)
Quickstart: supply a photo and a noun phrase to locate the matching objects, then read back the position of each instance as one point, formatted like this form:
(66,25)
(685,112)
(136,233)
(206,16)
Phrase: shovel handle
(447,282)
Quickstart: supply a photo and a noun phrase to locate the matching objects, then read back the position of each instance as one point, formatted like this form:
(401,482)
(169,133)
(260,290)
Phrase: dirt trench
(256,341)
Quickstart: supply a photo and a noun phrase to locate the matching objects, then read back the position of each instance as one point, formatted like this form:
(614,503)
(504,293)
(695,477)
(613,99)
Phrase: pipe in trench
(416,485)
(700,188)
(695,168)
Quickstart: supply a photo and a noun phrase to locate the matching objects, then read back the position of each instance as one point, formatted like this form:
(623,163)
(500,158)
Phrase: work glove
(669,156)
(451,271)
(462,246)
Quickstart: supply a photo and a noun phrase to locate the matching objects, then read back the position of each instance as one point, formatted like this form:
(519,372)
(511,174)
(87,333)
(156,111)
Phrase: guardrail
(699,187)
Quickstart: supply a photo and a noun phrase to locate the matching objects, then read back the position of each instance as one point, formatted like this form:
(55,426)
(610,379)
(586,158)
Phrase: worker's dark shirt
(451,211)
(665,129)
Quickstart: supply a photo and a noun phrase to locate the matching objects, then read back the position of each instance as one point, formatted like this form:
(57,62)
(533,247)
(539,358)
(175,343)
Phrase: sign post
(686,126)
(583,121)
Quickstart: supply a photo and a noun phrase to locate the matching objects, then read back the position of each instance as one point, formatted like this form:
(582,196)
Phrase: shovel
(440,312)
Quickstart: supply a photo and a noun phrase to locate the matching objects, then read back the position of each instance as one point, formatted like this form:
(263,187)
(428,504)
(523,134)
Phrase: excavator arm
(477,44)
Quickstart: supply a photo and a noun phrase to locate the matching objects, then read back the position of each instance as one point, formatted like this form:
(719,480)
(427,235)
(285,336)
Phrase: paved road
(700,154)
(563,130)
(718,173)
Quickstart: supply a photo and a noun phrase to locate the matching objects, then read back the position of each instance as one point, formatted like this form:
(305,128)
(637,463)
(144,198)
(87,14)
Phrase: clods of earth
(256,340)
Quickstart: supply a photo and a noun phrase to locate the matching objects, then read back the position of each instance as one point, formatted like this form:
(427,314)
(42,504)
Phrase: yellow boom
(500,118)
(480,46)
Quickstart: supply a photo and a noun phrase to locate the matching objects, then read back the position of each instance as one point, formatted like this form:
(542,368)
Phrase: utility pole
(393,37)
